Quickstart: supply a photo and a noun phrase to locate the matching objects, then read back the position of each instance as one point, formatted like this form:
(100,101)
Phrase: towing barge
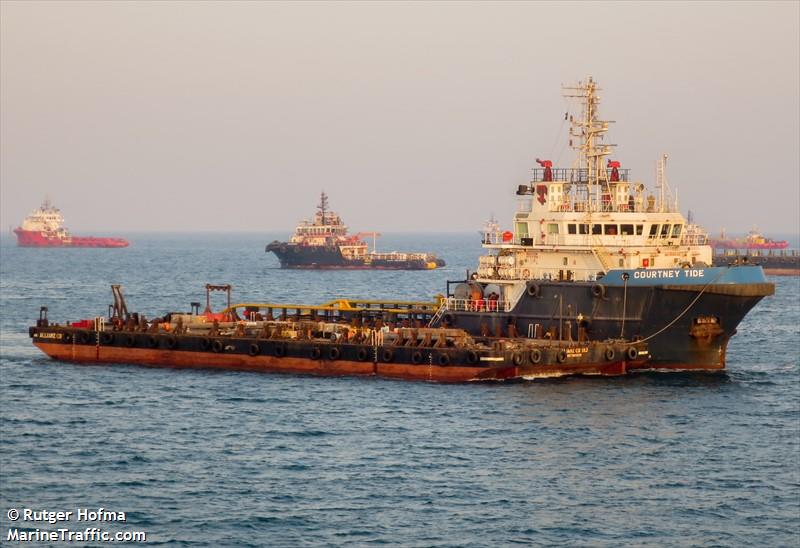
(365,338)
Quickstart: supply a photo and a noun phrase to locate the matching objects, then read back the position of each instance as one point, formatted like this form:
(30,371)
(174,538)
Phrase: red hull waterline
(87,354)
(27,238)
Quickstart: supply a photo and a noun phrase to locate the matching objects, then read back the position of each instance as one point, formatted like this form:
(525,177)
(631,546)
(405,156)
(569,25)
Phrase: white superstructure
(46,219)
(578,223)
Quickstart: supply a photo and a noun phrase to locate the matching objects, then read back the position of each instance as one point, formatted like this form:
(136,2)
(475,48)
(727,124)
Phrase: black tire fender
(517,358)
(610,354)
(561,357)
(205,344)
(443,359)
(280,350)
(632,353)
(599,291)
(152,341)
(472,357)
(172,342)
(362,354)
(416,357)
(536,355)
(130,341)
(106,338)
(334,353)
(254,349)
(217,346)
(315,353)
(387,355)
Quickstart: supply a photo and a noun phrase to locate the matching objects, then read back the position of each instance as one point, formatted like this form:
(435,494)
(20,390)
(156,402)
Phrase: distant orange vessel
(44,228)
(753,240)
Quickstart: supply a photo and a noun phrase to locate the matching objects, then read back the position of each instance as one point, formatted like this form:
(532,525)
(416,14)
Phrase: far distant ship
(44,228)
(753,240)
(325,244)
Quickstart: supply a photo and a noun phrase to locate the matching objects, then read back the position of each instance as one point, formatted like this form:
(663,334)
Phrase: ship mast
(590,131)
(323,206)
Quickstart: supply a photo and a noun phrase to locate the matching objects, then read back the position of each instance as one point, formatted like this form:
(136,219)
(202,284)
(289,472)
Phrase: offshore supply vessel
(366,338)
(591,247)
(596,276)
(753,240)
(325,244)
(45,228)
(754,248)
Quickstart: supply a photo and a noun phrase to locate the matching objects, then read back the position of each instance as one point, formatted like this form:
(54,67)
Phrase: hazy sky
(411,116)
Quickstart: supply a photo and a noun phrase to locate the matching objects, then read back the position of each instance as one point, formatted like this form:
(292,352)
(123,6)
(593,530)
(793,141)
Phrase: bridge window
(665,230)
(597,229)
(552,228)
(626,230)
(583,229)
(639,229)
(522,230)
(653,231)
(610,230)
(572,228)
(676,231)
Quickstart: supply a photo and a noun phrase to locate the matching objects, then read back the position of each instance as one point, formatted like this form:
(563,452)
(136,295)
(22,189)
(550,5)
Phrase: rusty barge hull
(330,359)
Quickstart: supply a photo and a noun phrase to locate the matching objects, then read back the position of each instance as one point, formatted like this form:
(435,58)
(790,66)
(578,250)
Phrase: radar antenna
(590,131)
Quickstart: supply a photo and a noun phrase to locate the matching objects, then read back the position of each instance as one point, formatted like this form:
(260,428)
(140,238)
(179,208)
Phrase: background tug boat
(343,337)
(591,248)
(324,243)
(45,228)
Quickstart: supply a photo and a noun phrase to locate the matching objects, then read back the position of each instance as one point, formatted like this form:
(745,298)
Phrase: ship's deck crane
(374,236)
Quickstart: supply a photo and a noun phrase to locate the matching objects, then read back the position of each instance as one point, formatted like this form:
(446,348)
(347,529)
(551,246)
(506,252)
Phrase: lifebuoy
(172,342)
(536,355)
(387,355)
(362,354)
(632,352)
(217,346)
(416,357)
(152,341)
(599,291)
(254,349)
(561,357)
(533,290)
(315,353)
(517,358)
(280,350)
(610,354)
(334,353)
(106,338)
(472,357)
(130,341)
(443,359)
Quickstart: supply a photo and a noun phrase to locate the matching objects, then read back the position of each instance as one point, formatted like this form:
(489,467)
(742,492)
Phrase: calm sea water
(208,458)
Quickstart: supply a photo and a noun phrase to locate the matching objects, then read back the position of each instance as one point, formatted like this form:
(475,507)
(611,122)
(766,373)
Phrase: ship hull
(312,357)
(30,238)
(686,325)
(293,256)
